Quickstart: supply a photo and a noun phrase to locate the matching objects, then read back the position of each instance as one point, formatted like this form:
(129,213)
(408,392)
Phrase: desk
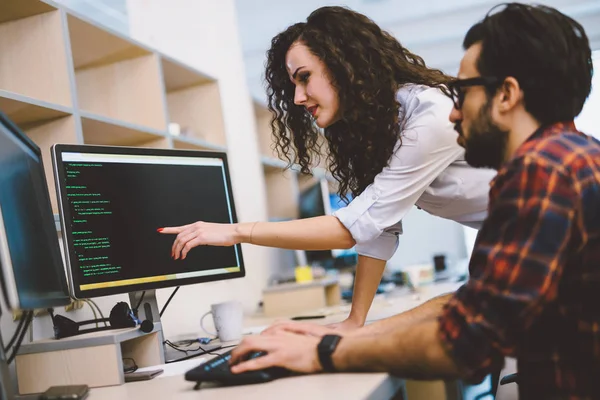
(322,386)
(330,386)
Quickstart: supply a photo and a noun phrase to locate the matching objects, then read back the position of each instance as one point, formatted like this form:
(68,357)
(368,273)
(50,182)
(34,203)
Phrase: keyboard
(217,371)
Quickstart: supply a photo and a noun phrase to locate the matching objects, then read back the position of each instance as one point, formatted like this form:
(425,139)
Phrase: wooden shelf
(282,194)
(198,112)
(271,164)
(13,10)
(128,90)
(61,130)
(26,111)
(34,58)
(263,130)
(185,143)
(116,77)
(193,102)
(100,130)
(178,76)
(93,46)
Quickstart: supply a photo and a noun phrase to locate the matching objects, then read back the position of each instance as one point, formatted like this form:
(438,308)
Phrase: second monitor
(113,200)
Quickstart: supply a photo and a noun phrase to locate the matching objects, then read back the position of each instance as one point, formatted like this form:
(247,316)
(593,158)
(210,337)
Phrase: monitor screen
(113,200)
(314,202)
(33,274)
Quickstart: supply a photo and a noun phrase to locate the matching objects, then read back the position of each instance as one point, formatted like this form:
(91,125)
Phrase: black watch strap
(325,349)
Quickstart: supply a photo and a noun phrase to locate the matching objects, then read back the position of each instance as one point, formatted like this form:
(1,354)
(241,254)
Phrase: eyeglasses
(457,92)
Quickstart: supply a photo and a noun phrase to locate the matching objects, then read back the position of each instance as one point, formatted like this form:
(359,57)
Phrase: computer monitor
(32,271)
(315,201)
(112,201)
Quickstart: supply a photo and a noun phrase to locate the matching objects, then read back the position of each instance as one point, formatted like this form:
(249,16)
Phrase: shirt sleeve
(428,146)
(515,267)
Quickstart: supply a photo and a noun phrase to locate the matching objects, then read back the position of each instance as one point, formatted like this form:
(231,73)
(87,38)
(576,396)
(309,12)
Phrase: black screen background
(29,224)
(144,197)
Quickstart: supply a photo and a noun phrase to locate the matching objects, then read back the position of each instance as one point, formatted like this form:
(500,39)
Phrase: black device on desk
(217,371)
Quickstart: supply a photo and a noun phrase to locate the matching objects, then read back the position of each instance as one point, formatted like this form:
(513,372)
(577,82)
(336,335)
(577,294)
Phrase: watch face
(325,349)
(330,341)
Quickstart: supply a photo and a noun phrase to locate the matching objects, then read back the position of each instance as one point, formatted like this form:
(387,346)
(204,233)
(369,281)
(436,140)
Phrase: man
(534,286)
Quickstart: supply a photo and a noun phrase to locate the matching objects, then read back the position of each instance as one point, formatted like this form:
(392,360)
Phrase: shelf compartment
(282,193)
(185,143)
(178,76)
(14,10)
(25,111)
(194,103)
(263,130)
(99,130)
(34,53)
(115,77)
(61,130)
(128,91)
(93,46)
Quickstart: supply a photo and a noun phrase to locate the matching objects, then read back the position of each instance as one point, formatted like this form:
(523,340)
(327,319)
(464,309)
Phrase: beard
(485,146)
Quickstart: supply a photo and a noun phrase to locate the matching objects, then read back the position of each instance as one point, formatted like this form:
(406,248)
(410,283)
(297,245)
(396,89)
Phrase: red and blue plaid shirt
(534,286)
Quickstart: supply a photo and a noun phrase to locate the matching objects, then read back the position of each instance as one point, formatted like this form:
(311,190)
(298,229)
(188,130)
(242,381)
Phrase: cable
(135,310)
(16,334)
(20,340)
(168,301)
(93,310)
(99,311)
(128,370)
(200,348)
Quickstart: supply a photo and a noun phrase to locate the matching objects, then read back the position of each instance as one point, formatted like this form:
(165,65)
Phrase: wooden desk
(321,386)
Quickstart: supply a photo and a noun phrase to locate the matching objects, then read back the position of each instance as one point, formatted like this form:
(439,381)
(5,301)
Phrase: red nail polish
(160,229)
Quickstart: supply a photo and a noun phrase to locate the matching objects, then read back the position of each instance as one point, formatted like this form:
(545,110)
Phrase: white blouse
(427,169)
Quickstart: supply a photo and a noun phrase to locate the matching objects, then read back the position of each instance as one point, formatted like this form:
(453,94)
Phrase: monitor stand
(149,310)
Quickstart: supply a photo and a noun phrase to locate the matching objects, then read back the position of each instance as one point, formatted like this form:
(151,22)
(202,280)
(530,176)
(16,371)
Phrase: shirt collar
(544,132)
(540,133)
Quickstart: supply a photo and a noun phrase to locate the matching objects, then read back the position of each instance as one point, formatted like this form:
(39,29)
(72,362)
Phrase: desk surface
(337,386)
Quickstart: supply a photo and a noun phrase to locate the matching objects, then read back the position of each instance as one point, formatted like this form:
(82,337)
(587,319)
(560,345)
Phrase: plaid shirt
(534,286)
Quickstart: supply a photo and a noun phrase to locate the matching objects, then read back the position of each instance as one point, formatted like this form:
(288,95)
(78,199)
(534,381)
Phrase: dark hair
(366,66)
(545,50)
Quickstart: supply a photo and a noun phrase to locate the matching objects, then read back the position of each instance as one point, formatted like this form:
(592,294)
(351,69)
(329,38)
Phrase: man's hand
(347,325)
(288,350)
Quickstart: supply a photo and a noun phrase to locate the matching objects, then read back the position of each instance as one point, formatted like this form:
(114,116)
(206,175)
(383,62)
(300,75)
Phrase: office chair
(494,378)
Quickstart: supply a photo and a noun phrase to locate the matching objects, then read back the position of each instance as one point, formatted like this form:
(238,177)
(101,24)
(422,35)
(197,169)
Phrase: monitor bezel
(8,281)
(59,173)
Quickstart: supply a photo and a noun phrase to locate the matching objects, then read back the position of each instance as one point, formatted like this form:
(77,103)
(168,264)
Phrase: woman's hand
(347,325)
(200,233)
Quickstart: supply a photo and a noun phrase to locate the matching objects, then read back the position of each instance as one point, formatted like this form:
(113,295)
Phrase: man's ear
(510,94)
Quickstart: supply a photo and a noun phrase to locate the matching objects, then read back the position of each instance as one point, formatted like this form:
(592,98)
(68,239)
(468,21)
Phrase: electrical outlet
(75,305)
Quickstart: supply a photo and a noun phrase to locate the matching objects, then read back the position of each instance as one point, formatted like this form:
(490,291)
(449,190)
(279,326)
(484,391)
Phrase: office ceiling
(434,29)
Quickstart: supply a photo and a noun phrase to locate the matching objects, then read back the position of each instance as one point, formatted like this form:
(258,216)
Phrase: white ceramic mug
(228,320)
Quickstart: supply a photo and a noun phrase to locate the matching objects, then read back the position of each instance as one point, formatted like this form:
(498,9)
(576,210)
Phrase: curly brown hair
(366,66)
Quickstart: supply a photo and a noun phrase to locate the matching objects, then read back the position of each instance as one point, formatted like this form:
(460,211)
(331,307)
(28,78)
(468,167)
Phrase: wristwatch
(325,349)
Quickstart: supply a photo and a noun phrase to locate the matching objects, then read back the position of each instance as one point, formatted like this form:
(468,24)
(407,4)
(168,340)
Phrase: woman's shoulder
(412,95)
(421,101)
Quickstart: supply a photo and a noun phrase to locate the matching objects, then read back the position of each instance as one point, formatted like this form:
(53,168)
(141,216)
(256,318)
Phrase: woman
(384,116)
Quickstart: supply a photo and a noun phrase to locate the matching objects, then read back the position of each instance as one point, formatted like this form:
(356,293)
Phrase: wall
(589,119)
